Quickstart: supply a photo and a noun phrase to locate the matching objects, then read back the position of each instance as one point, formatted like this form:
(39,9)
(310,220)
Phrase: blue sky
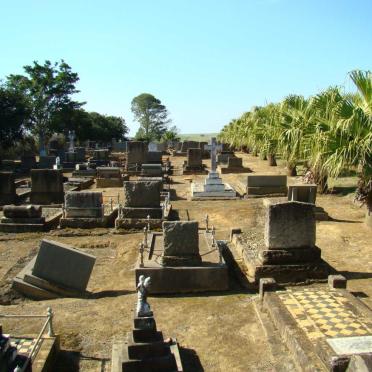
(207,61)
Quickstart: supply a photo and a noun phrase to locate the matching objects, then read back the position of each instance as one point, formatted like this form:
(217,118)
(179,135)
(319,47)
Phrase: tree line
(39,103)
(329,133)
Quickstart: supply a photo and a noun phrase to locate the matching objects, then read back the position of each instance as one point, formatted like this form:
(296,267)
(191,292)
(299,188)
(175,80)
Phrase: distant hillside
(201,137)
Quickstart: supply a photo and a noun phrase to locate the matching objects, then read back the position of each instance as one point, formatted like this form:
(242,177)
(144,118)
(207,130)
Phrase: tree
(151,115)
(14,115)
(49,88)
(171,134)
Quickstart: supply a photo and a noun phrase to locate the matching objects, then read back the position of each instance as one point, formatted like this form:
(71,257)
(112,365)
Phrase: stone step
(164,364)
(148,350)
(146,335)
(145,323)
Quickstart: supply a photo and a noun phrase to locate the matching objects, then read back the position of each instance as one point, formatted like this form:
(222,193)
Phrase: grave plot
(261,185)
(78,183)
(84,170)
(86,210)
(194,164)
(31,352)
(29,218)
(143,205)
(325,328)
(58,270)
(109,177)
(145,348)
(285,247)
(182,259)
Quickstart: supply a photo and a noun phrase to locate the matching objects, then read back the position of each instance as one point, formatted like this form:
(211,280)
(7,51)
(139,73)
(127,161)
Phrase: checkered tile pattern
(24,345)
(322,313)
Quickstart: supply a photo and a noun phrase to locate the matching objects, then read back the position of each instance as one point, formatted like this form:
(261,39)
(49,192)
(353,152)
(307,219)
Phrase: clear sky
(208,61)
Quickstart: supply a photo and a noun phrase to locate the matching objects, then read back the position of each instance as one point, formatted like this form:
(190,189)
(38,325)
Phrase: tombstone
(259,185)
(213,187)
(8,193)
(58,270)
(136,154)
(303,193)
(181,243)
(46,186)
(151,170)
(119,146)
(71,137)
(153,147)
(109,177)
(100,157)
(46,162)
(28,162)
(154,157)
(286,251)
(57,165)
(80,204)
(141,194)
(194,163)
(189,145)
(146,349)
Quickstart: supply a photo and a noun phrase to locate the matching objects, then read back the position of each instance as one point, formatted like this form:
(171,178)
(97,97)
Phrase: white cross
(213,148)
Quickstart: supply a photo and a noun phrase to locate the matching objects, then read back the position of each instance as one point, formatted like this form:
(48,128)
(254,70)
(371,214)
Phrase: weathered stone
(234,162)
(136,152)
(101,154)
(46,186)
(142,193)
(151,170)
(154,157)
(267,285)
(194,158)
(64,265)
(28,162)
(83,204)
(189,145)
(289,225)
(22,211)
(266,184)
(108,172)
(302,193)
(181,243)
(7,188)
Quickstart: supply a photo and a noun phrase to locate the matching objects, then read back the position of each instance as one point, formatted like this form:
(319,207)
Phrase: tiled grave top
(324,314)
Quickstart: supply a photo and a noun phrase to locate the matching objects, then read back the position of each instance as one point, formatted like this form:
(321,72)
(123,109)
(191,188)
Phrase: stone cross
(71,137)
(213,148)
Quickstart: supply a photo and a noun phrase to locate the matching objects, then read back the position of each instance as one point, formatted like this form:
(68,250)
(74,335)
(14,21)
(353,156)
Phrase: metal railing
(35,348)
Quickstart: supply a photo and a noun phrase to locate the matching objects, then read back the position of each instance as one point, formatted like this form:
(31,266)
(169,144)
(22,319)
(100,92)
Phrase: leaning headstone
(181,243)
(46,186)
(64,265)
(8,193)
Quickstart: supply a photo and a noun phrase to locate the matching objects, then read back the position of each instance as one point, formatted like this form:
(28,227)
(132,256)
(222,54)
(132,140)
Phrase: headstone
(142,194)
(155,170)
(63,265)
(303,193)
(181,243)
(71,136)
(290,225)
(154,157)
(152,146)
(47,162)
(7,188)
(28,162)
(108,172)
(194,158)
(46,186)
(234,162)
(102,155)
(136,152)
(189,145)
(79,204)
(266,185)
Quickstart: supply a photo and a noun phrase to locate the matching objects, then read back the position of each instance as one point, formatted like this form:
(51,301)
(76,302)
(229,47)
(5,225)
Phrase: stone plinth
(46,186)
(7,188)
(151,170)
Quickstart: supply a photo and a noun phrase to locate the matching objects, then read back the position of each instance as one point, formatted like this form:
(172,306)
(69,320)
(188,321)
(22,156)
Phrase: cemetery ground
(216,331)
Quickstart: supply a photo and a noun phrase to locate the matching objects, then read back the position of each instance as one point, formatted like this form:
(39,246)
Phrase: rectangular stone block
(28,162)
(154,157)
(108,172)
(234,162)
(289,225)
(47,162)
(194,157)
(152,170)
(189,145)
(302,193)
(136,152)
(83,204)
(7,188)
(46,186)
(101,154)
(142,193)
(254,180)
(181,238)
(64,265)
